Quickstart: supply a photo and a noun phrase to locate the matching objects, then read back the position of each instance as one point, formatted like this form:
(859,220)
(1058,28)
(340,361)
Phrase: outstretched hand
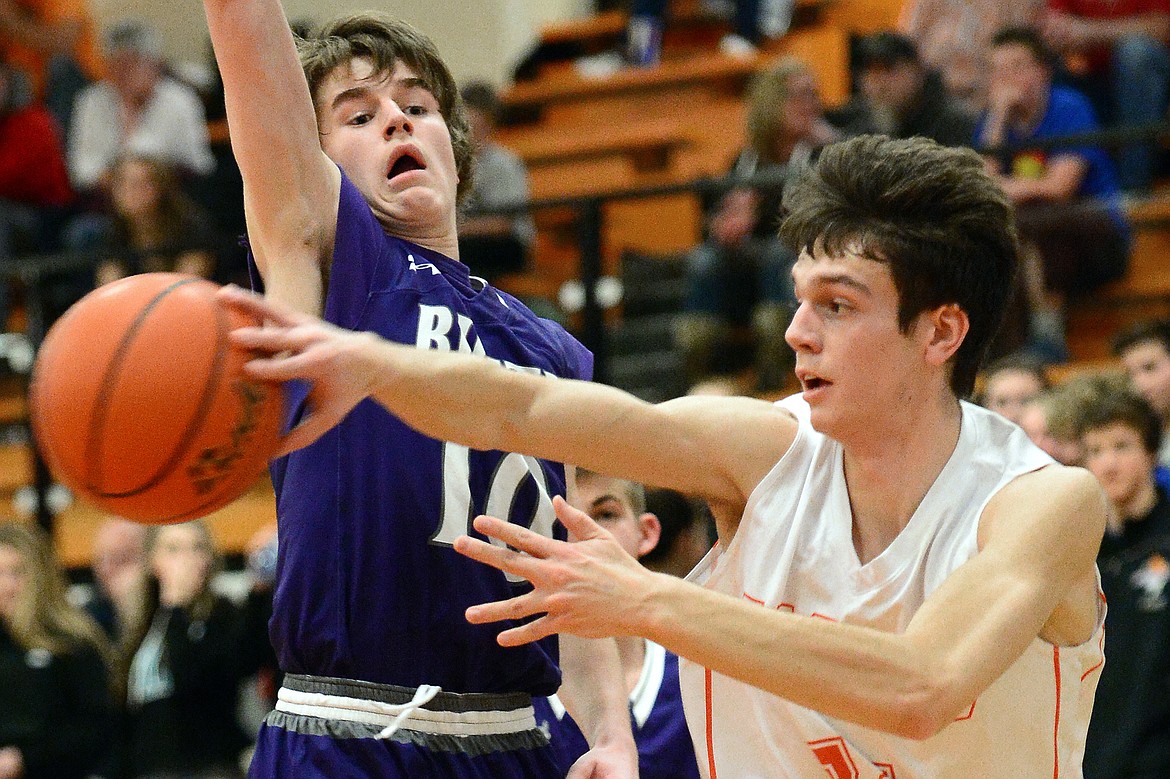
(590,587)
(295,345)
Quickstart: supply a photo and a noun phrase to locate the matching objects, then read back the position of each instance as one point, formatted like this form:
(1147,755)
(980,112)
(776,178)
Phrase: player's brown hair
(932,213)
(385,42)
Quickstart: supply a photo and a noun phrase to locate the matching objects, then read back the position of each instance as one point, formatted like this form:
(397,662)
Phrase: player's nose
(396,120)
(801,335)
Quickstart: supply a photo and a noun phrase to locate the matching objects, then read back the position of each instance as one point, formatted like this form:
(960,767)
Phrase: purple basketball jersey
(368,586)
(665,750)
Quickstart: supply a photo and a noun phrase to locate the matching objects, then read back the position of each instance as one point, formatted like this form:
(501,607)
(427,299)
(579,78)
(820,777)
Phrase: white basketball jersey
(794,551)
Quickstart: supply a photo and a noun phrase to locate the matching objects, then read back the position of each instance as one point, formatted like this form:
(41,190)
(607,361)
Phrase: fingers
(259,306)
(306,432)
(510,561)
(516,536)
(580,525)
(520,607)
(273,339)
(527,633)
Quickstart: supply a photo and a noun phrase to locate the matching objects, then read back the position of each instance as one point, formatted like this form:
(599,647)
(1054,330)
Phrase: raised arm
(1033,577)
(684,444)
(290,187)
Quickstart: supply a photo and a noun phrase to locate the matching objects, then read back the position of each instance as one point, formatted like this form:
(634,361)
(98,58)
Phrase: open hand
(298,346)
(589,588)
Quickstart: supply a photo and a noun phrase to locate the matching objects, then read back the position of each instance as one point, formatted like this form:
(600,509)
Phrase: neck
(889,473)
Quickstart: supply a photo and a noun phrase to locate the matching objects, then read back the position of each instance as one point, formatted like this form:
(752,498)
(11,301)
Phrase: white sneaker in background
(737,46)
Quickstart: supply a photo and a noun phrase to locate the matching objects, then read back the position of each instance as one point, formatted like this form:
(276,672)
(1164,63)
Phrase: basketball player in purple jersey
(353,156)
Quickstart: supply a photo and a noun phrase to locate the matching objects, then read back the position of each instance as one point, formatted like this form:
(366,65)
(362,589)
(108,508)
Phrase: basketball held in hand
(140,405)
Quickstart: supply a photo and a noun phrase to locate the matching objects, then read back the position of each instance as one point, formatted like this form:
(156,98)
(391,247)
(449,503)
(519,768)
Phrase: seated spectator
(900,97)
(34,183)
(1068,203)
(1009,383)
(1041,420)
(119,572)
(954,38)
(53,43)
(1127,67)
(56,703)
(493,244)
(1127,734)
(741,274)
(664,744)
(1144,350)
(752,22)
(156,227)
(184,667)
(137,110)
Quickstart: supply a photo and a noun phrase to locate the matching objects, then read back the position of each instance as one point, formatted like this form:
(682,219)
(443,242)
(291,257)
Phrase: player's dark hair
(1123,407)
(385,42)
(932,213)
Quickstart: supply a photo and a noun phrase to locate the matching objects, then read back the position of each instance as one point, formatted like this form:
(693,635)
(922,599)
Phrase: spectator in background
(740,275)
(493,244)
(155,226)
(752,22)
(137,110)
(900,97)
(184,665)
(1144,350)
(119,572)
(660,730)
(1068,202)
(1036,420)
(1122,45)
(56,704)
(1128,734)
(686,532)
(954,38)
(53,43)
(1010,383)
(34,183)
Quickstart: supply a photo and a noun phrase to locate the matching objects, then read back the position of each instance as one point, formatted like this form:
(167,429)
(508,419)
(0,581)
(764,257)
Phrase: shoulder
(1067,105)
(1054,502)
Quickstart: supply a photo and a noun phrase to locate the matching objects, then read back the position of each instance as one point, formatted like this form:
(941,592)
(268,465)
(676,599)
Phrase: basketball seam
(93,445)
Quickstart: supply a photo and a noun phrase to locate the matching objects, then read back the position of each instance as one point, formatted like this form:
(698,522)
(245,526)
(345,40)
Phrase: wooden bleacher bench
(648,146)
(713,69)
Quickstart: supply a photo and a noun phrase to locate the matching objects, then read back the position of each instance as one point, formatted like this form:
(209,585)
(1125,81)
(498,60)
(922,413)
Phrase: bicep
(290,186)
(716,448)
(1034,553)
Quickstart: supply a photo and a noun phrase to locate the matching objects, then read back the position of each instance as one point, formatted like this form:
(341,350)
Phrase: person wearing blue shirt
(1067,196)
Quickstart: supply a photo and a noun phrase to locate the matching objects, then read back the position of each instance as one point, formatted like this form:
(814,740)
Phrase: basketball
(139,403)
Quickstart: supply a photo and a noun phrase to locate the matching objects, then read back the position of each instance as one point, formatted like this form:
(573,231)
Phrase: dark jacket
(193,728)
(57,709)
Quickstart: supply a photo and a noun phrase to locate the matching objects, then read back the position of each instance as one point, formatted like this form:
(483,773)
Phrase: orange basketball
(140,406)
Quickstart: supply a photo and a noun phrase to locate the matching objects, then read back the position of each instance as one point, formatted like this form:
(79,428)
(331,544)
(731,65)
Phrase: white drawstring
(422,696)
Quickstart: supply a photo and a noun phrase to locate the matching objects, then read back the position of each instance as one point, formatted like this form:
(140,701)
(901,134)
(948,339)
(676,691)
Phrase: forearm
(593,690)
(885,681)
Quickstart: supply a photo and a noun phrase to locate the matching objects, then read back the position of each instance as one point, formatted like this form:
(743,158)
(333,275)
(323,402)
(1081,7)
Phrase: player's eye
(360,119)
(416,110)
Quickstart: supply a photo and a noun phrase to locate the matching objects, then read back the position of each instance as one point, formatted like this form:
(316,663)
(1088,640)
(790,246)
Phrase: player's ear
(947,327)
(651,530)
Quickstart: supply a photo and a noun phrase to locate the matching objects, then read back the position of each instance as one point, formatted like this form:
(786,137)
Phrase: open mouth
(404,163)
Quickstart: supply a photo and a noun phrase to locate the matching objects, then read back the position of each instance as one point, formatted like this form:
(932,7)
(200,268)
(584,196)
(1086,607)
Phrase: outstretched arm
(1034,577)
(470,400)
(290,187)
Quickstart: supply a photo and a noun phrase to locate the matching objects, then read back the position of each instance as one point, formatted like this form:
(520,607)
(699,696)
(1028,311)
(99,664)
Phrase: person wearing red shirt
(1123,43)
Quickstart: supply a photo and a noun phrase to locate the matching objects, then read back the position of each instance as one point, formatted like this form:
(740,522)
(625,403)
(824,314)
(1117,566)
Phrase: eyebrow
(842,279)
(604,499)
(359,92)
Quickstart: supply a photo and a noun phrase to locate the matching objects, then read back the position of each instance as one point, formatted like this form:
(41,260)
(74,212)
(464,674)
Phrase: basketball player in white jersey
(904,585)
